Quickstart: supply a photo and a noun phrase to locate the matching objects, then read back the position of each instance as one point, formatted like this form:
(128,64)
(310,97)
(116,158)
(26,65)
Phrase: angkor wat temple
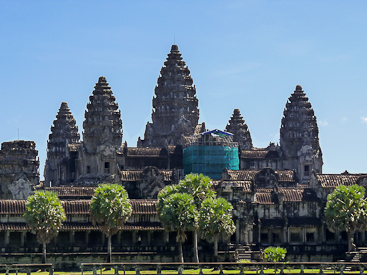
(278,192)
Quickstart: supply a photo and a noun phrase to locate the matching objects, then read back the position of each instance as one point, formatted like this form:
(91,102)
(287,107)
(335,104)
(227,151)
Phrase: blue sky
(248,55)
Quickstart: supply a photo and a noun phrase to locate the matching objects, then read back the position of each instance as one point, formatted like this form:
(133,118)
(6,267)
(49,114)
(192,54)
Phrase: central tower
(175,106)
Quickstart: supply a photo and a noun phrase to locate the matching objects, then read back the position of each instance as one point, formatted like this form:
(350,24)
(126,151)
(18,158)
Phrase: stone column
(7,235)
(119,241)
(304,234)
(165,237)
(87,237)
(149,238)
(259,235)
(238,231)
(363,233)
(270,237)
(134,237)
(322,237)
(251,234)
(246,234)
(22,238)
(72,235)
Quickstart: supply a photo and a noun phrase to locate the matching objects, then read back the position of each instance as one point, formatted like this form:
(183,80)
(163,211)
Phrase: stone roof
(12,206)
(130,175)
(264,196)
(135,175)
(79,227)
(248,175)
(77,207)
(334,180)
(145,151)
(292,195)
(65,192)
(253,154)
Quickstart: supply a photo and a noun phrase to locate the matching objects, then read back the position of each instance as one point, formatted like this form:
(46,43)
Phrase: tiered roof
(237,126)
(64,131)
(175,105)
(102,124)
(299,125)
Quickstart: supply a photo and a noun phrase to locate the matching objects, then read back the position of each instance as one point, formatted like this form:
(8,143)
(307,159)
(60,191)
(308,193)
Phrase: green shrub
(275,254)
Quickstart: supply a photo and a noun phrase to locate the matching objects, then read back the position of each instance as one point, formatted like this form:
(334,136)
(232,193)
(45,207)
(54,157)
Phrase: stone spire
(63,132)
(299,133)
(102,124)
(175,105)
(241,134)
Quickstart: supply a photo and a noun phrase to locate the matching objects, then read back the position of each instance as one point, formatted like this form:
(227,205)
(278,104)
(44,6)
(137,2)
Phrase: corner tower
(299,136)
(58,169)
(175,106)
(241,134)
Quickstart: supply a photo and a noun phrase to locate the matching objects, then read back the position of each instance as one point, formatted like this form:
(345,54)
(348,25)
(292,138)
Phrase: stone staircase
(243,253)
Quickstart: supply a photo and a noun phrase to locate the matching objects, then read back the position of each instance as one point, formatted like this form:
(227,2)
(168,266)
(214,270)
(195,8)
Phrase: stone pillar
(285,235)
(304,234)
(246,234)
(134,237)
(149,238)
(259,235)
(87,237)
(72,235)
(322,237)
(251,234)
(22,238)
(119,241)
(165,237)
(103,236)
(363,239)
(7,235)
(270,236)
(238,231)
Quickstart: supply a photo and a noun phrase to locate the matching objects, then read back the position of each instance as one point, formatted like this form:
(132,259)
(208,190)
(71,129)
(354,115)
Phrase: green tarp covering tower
(209,153)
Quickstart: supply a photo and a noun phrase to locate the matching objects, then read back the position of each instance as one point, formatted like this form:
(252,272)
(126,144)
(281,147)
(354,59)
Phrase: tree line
(191,205)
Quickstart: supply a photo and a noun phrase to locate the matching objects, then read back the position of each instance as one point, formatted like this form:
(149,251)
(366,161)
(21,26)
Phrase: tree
(110,208)
(177,212)
(44,214)
(200,187)
(346,209)
(275,254)
(215,217)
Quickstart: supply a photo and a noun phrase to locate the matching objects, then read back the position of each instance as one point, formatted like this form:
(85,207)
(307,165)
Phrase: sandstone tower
(175,106)
(19,169)
(241,134)
(58,169)
(102,133)
(299,136)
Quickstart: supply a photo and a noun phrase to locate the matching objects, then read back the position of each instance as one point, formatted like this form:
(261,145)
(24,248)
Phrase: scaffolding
(209,153)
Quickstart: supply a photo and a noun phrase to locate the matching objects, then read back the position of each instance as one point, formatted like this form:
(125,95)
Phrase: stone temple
(278,192)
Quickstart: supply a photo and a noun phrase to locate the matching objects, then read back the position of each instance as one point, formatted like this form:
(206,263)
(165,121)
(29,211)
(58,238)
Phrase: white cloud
(323,123)
(364,119)
(343,119)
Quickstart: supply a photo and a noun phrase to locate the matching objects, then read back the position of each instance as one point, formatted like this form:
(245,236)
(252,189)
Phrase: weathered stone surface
(299,136)
(175,105)
(241,134)
(19,169)
(63,132)
(102,124)
(102,138)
